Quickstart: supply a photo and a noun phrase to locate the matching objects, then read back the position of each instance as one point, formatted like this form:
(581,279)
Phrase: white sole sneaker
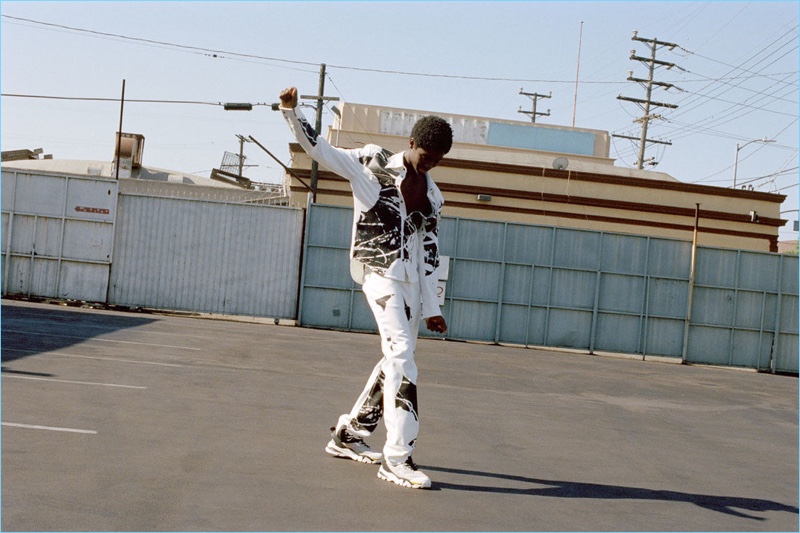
(344,452)
(418,480)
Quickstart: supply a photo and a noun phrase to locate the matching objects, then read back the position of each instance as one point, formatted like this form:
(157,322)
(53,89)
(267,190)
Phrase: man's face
(423,160)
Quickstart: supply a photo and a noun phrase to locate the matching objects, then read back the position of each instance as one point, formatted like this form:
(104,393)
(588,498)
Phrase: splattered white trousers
(391,391)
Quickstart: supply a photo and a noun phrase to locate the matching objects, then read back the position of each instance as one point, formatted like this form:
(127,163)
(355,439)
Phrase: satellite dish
(560,163)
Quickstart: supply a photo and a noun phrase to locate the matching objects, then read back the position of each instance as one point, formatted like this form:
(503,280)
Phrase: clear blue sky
(736,75)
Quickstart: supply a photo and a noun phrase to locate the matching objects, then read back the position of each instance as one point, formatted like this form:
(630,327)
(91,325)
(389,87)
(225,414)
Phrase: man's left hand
(436,324)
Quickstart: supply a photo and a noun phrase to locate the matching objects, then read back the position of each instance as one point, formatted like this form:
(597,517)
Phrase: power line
(153,41)
(221,54)
(717,90)
(132,100)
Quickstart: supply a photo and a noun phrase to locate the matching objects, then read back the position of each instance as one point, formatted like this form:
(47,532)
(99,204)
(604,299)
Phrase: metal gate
(57,234)
(596,291)
(207,256)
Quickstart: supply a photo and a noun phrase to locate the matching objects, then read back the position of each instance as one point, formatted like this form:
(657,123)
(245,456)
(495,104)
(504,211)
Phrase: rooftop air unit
(128,150)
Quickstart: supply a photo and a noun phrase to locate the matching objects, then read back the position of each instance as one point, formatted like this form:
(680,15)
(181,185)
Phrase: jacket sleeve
(345,163)
(428,264)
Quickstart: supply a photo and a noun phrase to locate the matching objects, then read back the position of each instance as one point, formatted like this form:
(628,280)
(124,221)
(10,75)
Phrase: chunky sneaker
(405,474)
(344,444)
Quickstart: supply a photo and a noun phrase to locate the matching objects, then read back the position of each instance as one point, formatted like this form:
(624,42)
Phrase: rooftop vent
(128,150)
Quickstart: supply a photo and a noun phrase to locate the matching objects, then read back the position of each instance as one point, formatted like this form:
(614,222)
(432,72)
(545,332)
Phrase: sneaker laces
(410,463)
(348,438)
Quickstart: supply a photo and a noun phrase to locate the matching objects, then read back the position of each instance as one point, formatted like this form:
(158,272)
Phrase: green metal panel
(598,291)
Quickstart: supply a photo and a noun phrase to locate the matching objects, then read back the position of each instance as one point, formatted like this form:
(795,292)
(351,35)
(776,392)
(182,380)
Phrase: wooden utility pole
(119,132)
(320,101)
(242,140)
(533,113)
(577,77)
(647,103)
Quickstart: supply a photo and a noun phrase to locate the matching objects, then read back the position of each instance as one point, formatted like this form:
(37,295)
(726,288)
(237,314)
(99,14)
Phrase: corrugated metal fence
(58,234)
(83,238)
(206,256)
(595,291)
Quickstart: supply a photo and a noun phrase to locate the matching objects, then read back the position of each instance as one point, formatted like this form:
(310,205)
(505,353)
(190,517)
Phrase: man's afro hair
(433,133)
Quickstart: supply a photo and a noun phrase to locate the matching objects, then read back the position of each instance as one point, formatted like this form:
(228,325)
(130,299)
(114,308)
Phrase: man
(394,254)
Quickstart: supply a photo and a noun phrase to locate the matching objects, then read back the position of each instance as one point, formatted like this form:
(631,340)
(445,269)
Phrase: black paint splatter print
(372,411)
(406,398)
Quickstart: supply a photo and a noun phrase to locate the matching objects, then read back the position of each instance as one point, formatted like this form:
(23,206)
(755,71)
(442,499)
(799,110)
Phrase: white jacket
(386,239)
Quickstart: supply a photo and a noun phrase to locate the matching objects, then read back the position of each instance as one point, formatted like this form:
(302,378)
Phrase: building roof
(489,140)
(106,169)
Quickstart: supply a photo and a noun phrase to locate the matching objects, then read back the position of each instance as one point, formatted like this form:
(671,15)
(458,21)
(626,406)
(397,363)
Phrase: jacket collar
(395,162)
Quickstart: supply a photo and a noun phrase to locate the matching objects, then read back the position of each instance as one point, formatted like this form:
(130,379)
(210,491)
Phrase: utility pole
(242,140)
(320,100)
(651,63)
(535,97)
(577,77)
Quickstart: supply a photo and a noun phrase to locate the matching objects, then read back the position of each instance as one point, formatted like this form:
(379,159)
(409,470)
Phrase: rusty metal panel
(207,256)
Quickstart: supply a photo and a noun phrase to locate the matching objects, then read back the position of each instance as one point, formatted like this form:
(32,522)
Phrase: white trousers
(391,391)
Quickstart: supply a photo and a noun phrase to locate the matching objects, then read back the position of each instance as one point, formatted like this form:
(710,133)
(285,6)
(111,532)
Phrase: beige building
(550,175)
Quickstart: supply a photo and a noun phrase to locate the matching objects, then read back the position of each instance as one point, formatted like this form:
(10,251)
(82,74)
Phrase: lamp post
(736,159)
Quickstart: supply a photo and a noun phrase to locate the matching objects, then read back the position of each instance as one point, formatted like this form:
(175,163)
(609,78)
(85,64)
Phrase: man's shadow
(569,489)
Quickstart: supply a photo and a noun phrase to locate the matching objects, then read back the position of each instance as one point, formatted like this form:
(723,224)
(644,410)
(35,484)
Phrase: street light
(736,159)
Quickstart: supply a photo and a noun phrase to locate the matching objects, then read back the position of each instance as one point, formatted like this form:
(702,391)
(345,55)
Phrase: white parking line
(116,359)
(101,340)
(50,428)
(76,382)
(113,359)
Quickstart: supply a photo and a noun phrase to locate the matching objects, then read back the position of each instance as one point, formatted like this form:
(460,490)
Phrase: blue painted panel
(573,288)
(617,333)
(577,249)
(537,326)
(517,284)
(713,307)
(786,359)
(750,349)
(664,337)
(669,259)
(569,329)
(624,294)
(758,271)
(624,254)
(532,245)
(667,298)
(513,324)
(749,312)
(328,267)
(475,280)
(362,318)
(447,236)
(541,286)
(716,267)
(326,308)
(544,282)
(472,320)
(332,227)
(789,277)
(541,138)
(708,345)
(481,240)
(789,314)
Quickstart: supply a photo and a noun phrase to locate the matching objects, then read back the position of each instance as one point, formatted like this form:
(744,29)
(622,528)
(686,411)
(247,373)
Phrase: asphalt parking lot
(123,421)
